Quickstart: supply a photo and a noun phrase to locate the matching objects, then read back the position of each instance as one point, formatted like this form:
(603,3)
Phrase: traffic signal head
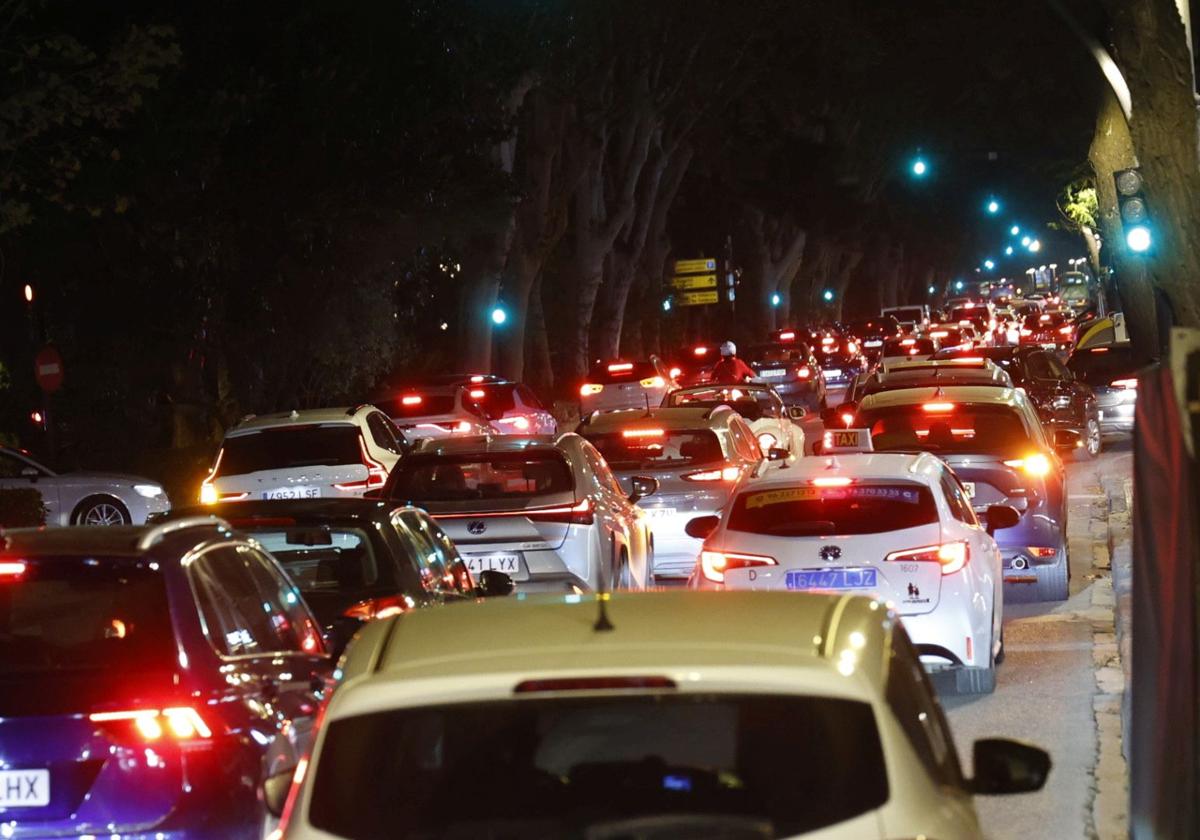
(1135,213)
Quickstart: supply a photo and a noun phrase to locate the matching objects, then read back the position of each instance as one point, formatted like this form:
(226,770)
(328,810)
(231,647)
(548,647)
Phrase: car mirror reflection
(643,486)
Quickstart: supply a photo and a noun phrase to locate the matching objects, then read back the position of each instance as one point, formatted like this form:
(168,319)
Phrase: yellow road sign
(696,298)
(695,281)
(695,266)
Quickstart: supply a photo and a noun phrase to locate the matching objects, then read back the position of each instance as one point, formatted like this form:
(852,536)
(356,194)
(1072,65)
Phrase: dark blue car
(153,681)
(994,441)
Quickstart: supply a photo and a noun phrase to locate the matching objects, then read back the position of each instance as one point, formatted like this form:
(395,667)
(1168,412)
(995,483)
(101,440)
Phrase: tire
(101,510)
(1054,582)
(1093,439)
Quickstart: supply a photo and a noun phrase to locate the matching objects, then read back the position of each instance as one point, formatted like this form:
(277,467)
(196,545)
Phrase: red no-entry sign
(48,369)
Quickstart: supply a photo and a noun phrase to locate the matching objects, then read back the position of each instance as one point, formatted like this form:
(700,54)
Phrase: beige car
(723,714)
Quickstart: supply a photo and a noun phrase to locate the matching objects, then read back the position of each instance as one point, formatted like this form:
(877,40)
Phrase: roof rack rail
(158,533)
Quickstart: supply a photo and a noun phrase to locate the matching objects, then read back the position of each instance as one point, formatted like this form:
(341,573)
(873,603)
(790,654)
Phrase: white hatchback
(314,454)
(896,526)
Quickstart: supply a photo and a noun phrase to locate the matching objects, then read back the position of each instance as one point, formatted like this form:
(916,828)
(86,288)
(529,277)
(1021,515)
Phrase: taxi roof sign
(847,440)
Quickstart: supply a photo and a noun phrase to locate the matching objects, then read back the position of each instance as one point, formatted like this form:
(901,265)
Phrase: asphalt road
(1046,684)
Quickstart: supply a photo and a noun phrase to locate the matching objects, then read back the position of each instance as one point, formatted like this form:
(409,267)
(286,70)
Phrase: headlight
(150,491)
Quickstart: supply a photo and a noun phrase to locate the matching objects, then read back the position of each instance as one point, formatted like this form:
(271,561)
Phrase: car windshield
(608,373)
(290,447)
(946,427)
(82,629)
(478,475)
(598,766)
(418,404)
(656,448)
(1099,366)
(866,508)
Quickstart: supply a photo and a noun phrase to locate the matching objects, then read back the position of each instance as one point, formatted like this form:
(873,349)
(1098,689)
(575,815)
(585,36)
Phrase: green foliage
(1078,205)
(63,100)
(21,508)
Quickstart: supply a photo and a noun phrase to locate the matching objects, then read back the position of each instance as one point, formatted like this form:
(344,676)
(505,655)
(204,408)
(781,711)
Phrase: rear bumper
(1117,417)
(949,637)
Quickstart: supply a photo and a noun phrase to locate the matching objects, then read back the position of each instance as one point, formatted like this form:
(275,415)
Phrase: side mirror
(643,486)
(702,526)
(1067,439)
(275,791)
(797,412)
(30,472)
(1004,766)
(830,418)
(492,584)
(777,454)
(999,517)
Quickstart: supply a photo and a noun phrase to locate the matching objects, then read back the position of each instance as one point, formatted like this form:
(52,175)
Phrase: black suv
(1063,400)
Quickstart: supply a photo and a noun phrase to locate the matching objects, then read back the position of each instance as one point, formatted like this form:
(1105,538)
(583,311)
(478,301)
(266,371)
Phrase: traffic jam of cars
(452,611)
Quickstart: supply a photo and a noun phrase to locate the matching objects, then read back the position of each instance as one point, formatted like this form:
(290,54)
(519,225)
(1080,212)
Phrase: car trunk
(497,535)
(989,481)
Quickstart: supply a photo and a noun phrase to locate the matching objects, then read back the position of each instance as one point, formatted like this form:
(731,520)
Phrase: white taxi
(895,525)
(666,714)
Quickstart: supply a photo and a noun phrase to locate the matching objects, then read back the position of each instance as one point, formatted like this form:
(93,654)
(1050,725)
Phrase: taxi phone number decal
(808,494)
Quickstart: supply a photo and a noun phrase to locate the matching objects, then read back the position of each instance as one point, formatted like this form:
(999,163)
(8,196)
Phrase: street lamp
(932,289)
(1014,230)
(28,293)
(1008,251)
(1035,246)
(828,295)
(958,285)
(993,206)
(1025,240)
(988,264)
(499,316)
(667,305)
(776,299)
(919,167)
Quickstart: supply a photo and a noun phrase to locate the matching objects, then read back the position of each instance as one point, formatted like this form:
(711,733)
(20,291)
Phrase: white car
(907,349)
(511,408)
(772,422)
(314,454)
(621,383)
(83,498)
(697,454)
(439,407)
(547,512)
(896,526)
(671,714)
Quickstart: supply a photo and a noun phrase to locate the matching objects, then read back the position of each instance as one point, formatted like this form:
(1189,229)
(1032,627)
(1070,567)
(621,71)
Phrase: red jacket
(731,369)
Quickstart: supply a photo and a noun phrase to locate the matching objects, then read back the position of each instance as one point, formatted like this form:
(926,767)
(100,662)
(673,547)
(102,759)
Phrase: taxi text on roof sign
(847,440)
(704,264)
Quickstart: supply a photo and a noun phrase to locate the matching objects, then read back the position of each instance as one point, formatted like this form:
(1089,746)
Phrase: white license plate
(1049,346)
(292,493)
(831,374)
(24,788)
(510,564)
(773,372)
(872,344)
(660,513)
(969,486)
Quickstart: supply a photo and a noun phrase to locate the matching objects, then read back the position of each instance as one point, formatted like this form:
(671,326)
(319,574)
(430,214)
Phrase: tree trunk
(539,371)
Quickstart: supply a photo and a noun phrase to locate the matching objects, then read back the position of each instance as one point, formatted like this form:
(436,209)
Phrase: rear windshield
(835,359)
(606,373)
(1002,356)
(320,558)
(866,329)
(972,313)
(1046,321)
(981,429)
(947,335)
(477,475)
(1100,366)
(630,449)
(495,399)
(603,767)
(762,353)
(68,614)
(751,403)
(418,405)
(909,315)
(818,511)
(908,347)
(290,447)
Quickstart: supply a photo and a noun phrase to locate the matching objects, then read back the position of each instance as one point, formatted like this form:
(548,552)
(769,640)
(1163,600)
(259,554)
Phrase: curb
(1120,550)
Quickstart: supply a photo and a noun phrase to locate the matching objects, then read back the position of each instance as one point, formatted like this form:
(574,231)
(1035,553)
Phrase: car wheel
(101,510)
(1053,582)
(1093,441)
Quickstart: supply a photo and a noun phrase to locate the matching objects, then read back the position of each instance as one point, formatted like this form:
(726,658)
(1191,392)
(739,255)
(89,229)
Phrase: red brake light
(384,607)
(714,564)
(1124,383)
(376,472)
(621,367)
(477,393)
(787,336)
(831,481)
(588,389)
(642,433)
(674,372)
(847,418)
(700,351)
(477,378)
(11,569)
(939,407)
(1099,349)
(411,399)
(178,723)
(951,556)
(1065,330)
(724,474)
(804,372)
(577,514)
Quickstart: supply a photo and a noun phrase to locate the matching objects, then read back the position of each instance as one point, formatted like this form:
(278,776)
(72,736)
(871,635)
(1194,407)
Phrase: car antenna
(602,624)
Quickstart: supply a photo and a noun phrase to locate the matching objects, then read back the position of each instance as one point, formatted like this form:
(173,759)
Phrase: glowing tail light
(939,407)
(653,382)
(1039,551)
(1036,464)
(907,342)
(477,393)
(383,607)
(412,399)
(176,723)
(1124,383)
(643,433)
(951,556)
(723,474)
(11,569)
(577,514)
(519,422)
(620,367)
(847,418)
(787,336)
(804,372)
(590,389)
(700,351)
(714,564)
(1065,330)
(675,372)
(851,348)
(939,334)
(831,481)
(1025,331)
(376,472)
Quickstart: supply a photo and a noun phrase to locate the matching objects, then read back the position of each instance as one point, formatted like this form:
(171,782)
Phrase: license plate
(969,486)
(832,579)
(773,372)
(24,788)
(660,513)
(292,493)
(872,344)
(831,374)
(1049,346)
(510,564)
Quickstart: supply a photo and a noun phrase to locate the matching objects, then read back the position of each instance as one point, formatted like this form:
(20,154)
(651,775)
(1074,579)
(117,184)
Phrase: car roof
(308,417)
(113,541)
(975,394)
(546,635)
(682,417)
